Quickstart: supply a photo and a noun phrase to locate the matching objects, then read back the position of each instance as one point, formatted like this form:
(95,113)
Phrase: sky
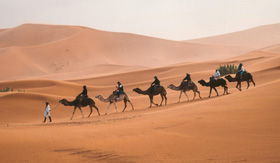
(167,19)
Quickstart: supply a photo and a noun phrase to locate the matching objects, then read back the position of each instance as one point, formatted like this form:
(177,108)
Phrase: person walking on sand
(47,112)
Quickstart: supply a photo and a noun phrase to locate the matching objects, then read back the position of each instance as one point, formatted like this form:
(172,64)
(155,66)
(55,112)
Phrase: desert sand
(49,62)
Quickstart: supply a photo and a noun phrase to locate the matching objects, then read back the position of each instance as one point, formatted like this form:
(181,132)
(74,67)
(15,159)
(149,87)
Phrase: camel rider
(155,84)
(241,70)
(84,93)
(120,89)
(187,79)
(217,75)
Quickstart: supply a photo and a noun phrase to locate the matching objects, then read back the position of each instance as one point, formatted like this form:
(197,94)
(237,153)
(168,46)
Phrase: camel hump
(87,100)
(126,95)
(162,88)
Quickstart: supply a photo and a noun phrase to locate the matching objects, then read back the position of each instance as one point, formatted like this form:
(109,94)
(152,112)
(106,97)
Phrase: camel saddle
(237,76)
(82,98)
(186,84)
(116,92)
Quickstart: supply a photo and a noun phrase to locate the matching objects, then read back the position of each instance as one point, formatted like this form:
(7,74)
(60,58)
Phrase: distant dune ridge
(256,38)
(51,62)
(51,51)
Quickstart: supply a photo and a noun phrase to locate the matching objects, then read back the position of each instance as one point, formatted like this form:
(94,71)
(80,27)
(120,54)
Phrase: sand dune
(32,51)
(256,38)
(196,131)
(238,127)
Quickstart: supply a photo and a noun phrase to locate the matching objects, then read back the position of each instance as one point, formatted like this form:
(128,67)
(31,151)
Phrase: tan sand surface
(55,52)
(239,127)
(255,38)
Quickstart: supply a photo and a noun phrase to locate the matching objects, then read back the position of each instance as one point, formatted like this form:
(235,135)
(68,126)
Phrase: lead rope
(56,106)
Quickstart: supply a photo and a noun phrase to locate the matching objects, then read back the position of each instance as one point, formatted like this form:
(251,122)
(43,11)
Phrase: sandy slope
(255,38)
(49,51)
(238,127)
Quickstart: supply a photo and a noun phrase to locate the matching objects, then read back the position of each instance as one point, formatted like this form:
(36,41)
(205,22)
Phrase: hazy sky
(169,19)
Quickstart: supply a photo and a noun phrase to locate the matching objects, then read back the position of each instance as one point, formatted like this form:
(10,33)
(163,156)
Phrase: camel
(184,89)
(245,77)
(78,103)
(113,99)
(215,83)
(159,90)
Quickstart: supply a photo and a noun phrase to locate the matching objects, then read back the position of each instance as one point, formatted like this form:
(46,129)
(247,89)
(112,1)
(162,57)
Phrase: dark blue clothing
(84,93)
(120,88)
(121,91)
(156,82)
(188,78)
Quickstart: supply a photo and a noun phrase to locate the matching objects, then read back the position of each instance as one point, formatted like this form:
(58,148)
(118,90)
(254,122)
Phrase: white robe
(217,74)
(47,111)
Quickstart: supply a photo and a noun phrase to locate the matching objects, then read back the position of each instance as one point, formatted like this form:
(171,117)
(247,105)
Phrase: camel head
(137,90)
(171,86)
(63,101)
(202,82)
(98,96)
(228,77)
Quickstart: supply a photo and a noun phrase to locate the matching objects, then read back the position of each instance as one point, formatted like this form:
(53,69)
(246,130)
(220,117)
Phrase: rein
(56,106)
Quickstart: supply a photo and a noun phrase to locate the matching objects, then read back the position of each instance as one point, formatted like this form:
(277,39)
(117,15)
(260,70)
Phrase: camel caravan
(82,100)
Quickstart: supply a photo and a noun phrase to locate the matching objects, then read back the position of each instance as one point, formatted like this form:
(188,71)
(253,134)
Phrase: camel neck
(70,103)
(173,87)
(104,100)
(144,92)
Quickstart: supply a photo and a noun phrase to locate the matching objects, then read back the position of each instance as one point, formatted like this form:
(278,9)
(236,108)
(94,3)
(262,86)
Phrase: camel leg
(253,82)
(73,113)
(131,104)
(96,109)
(225,90)
(108,108)
(116,107)
(237,86)
(198,94)
(152,102)
(210,91)
(187,95)
(165,99)
(90,110)
(194,94)
(216,91)
(81,112)
(180,96)
(161,99)
(125,105)
(248,84)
